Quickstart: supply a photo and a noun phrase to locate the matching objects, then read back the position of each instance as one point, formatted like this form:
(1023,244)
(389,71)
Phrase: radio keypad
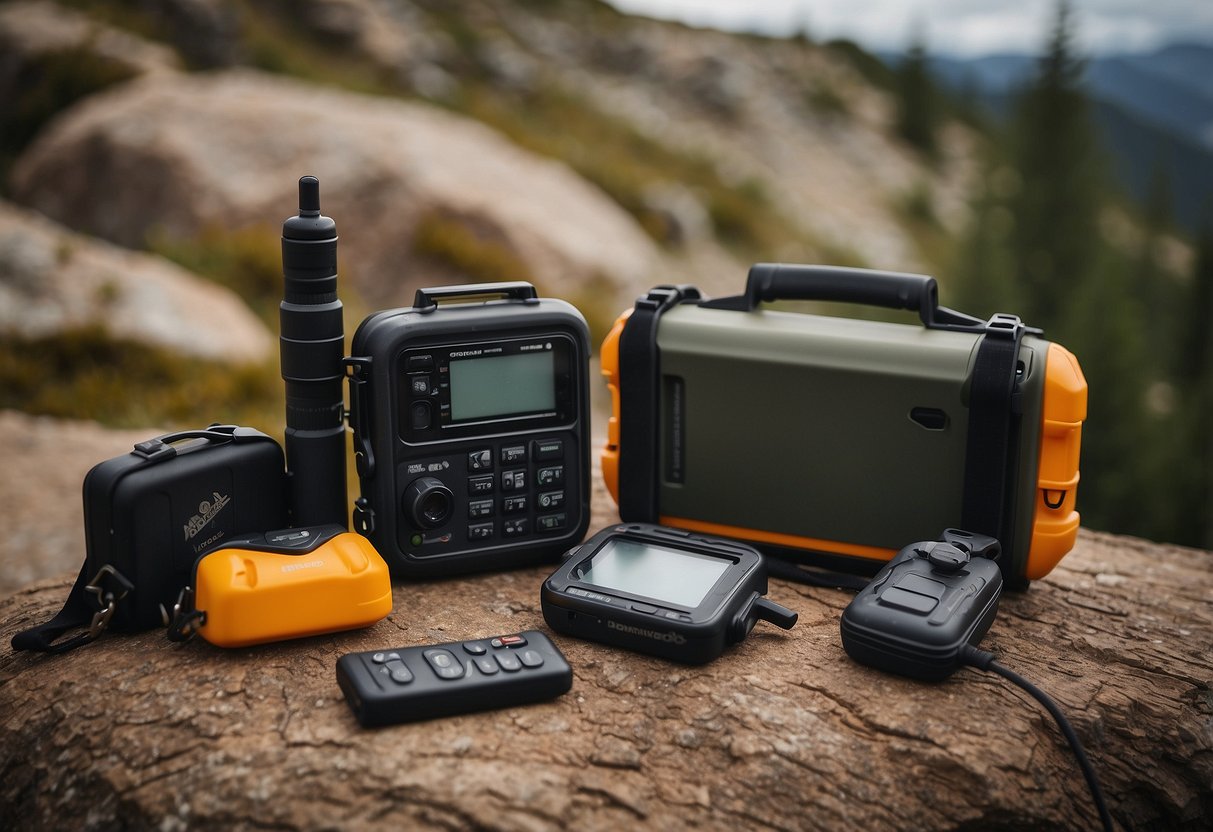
(533,495)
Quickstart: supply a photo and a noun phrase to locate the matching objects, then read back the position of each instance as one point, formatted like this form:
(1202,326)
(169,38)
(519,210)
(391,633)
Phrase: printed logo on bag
(208,510)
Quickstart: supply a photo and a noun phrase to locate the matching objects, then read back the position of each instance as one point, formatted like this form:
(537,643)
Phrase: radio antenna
(312,346)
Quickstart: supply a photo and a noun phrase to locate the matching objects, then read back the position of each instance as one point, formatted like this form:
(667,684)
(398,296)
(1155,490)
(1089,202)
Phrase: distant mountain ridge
(1154,112)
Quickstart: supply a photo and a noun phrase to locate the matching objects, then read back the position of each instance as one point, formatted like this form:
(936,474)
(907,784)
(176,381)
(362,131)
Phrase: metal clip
(186,620)
(107,598)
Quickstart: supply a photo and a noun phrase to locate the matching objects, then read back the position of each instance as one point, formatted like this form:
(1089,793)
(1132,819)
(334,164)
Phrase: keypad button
(552,522)
(513,505)
(487,665)
(545,450)
(552,475)
(480,485)
(508,661)
(480,508)
(512,453)
(644,608)
(420,385)
(513,480)
(516,527)
(508,641)
(420,363)
(531,658)
(480,531)
(550,499)
(480,460)
(443,663)
(475,648)
(419,415)
(398,673)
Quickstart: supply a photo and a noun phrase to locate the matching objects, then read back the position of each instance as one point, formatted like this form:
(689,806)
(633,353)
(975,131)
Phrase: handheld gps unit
(662,591)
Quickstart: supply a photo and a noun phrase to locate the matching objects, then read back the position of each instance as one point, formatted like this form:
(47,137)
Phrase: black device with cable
(924,613)
(662,591)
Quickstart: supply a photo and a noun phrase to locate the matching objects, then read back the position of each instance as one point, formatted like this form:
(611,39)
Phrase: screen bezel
(713,600)
(566,381)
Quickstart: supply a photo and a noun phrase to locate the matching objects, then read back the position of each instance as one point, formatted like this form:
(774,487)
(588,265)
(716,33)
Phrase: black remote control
(407,684)
(922,608)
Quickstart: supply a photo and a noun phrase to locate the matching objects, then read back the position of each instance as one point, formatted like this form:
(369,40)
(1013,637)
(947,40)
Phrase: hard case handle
(426,300)
(161,447)
(894,290)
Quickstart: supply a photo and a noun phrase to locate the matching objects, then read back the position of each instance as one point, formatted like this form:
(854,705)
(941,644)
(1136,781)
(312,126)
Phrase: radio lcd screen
(646,569)
(503,385)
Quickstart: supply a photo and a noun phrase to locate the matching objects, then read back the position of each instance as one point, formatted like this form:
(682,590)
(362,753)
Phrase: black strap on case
(992,411)
(639,380)
(91,603)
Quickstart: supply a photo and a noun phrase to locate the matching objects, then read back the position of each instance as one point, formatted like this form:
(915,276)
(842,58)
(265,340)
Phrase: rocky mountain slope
(562,142)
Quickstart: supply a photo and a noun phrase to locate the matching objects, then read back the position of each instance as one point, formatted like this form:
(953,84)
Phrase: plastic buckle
(1004,326)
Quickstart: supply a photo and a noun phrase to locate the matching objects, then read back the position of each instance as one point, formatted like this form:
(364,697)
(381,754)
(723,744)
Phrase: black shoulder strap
(992,404)
(91,603)
(639,377)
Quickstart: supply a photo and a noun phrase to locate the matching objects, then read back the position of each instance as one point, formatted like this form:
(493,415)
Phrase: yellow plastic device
(290,584)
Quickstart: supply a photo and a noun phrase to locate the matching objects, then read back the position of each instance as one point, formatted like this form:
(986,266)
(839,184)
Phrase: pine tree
(1054,149)
(1194,378)
(917,101)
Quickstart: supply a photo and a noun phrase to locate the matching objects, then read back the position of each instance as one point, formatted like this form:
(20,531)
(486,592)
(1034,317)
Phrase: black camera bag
(148,515)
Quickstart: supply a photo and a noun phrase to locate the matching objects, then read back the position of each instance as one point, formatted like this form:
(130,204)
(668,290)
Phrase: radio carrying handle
(894,290)
(426,300)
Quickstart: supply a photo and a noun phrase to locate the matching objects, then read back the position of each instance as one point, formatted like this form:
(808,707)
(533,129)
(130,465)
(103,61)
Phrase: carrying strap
(91,603)
(992,409)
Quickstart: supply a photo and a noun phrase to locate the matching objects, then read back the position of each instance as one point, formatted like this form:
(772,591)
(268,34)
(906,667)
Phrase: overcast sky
(951,27)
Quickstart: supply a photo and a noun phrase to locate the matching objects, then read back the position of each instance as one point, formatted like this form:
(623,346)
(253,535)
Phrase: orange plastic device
(1054,520)
(251,596)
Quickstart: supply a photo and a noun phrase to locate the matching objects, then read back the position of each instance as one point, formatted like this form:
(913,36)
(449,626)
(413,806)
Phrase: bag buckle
(110,587)
(186,619)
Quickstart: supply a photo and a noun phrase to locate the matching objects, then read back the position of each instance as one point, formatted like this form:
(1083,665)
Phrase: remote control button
(480,460)
(552,522)
(553,475)
(908,601)
(531,658)
(508,641)
(475,648)
(420,363)
(675,616)
(512,454)
(420,385)
(550,499)
(513,505)
(481,531)
(480,485)
(419,415)
(444,663)
(486,664)
(379,658)
(480,508)
(644,608)
(543,450)
(398,673)
(508,661)
(513,480)
(515,528)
